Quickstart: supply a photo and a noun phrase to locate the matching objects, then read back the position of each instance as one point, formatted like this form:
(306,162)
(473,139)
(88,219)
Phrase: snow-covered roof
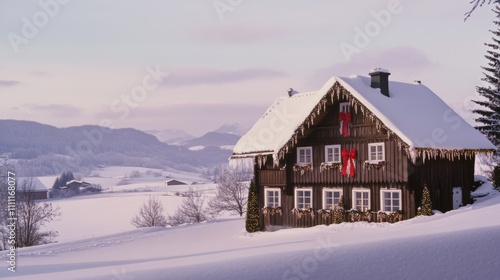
(413,113)
(36,184)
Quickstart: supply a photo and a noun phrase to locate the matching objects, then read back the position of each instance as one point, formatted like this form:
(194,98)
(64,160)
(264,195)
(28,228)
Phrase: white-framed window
(304,155)
(272,197)
(332,153)
(344,107)
(361,199)
(303,198)
(390,200)
(376,151)
(331,197)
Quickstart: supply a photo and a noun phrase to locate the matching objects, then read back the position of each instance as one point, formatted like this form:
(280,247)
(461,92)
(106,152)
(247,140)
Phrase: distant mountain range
(171,136)
(39,149)
(231,128)
(213,139)
(226,135)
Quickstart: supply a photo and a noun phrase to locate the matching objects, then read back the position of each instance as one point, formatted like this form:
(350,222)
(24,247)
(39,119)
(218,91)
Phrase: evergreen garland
(252,218)
(489,114)
(425,208)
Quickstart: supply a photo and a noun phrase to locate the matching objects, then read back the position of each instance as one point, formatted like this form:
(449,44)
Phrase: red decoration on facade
(345,123)
(349,165)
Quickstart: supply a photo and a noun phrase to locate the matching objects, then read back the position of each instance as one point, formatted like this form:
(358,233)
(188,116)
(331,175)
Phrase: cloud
(195,118)
(402,61)
(9,83)
(189,77)
(56,110)
(242,34)
(38,73)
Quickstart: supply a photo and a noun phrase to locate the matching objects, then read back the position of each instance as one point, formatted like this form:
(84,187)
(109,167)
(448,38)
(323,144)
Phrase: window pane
(272,198)
(391,201)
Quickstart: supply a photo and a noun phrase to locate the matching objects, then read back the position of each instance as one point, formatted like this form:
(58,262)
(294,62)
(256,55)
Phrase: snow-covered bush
(151,214)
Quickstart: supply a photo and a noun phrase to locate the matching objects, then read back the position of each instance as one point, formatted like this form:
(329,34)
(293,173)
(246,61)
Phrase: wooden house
(367,142)
(174,183)
(77,185)
(32,188)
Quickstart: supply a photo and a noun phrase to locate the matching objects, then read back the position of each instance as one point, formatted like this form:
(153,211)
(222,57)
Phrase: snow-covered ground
(460,244)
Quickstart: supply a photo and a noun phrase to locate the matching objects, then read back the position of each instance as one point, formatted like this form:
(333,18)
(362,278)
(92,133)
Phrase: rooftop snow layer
(413,112)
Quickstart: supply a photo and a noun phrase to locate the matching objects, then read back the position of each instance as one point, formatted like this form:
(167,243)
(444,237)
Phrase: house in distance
(174,182)
(367,142)
(31,187)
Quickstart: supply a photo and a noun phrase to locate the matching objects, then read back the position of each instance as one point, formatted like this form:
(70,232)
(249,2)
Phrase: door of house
(457,197)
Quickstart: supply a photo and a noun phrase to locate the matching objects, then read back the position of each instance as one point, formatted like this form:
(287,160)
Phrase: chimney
(380,79)
(291,92)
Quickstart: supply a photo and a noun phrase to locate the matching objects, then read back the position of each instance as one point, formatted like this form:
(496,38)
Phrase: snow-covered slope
(460,244)
(232,128)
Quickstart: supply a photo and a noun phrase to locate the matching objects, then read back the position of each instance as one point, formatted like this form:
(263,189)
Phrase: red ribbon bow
(345,120)
(349,165)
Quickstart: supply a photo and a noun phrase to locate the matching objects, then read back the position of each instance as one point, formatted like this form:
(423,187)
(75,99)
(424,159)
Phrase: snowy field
(98,242)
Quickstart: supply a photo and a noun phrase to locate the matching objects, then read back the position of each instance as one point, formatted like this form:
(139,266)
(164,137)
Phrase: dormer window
(304,156)
(344,107)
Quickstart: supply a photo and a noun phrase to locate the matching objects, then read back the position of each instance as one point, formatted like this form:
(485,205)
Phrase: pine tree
(425,208)
(338,212)
(252,218)
(61,182)
(489,114)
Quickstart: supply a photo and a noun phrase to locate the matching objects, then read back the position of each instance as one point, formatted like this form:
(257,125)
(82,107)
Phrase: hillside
(231,128)
(213,139)
(460,244)
(43,149)
(171,136)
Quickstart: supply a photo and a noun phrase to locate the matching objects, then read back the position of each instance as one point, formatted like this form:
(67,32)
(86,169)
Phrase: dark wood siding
(394,170)
(398,173)
(272,177)
(441,175)
(36,195)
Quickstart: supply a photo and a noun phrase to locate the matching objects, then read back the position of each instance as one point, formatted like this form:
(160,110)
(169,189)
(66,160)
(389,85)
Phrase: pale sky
(195,65)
